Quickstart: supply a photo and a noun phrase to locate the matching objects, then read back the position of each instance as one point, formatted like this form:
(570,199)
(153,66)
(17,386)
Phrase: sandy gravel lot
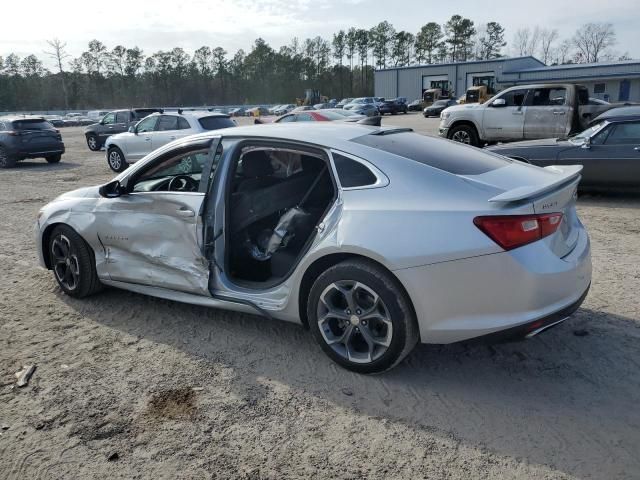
(128,386)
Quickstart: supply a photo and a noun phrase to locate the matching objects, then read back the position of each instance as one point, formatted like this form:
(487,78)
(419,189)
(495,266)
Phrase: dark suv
(394,106)
(114,122)
(28,137)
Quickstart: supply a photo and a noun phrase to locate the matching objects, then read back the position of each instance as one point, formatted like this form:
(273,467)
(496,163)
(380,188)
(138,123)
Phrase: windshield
(440,103)
(588,133)
(332,115)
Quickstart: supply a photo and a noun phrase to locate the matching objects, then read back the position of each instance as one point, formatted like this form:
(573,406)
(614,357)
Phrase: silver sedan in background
(374,238)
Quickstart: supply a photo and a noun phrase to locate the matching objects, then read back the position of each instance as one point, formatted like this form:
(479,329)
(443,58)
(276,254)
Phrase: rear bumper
(478,296)
(39,151)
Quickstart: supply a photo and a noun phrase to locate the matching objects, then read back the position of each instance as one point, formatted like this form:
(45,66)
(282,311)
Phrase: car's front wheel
(464,134)
(361,317)
(93,143)
(116,160)
(6,160)
(73,263)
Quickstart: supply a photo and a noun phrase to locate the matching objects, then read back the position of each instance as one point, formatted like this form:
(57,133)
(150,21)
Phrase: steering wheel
(182,183)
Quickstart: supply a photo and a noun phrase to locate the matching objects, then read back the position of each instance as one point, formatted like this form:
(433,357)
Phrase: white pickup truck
(522,113)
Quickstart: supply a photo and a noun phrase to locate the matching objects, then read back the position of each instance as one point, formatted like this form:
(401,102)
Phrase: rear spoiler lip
(565,173)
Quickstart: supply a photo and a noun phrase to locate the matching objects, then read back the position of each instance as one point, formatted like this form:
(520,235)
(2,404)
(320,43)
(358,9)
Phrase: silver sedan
(373,238)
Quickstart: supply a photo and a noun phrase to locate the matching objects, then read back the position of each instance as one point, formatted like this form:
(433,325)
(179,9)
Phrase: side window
(109,119)
(167,122)
(156,177)
(352,173)
(305,117)
(515,98)
(627,133)
(544,97)
(147,125)
(183,124)
(287,118)
(600,137)
(122,117)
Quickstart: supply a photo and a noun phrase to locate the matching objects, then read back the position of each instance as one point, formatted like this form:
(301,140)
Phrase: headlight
(444,115)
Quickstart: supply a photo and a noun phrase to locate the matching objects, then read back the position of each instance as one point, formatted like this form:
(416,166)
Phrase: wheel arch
(315,269)
(46,238)
(468,123)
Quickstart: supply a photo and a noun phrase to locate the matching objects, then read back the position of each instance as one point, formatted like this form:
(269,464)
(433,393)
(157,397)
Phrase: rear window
(352,173)
(32,125)
(214,123)
(447,156)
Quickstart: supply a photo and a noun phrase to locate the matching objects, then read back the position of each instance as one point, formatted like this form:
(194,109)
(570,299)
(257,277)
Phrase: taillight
(513,231)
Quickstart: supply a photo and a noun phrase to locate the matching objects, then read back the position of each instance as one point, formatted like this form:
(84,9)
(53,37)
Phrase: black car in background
(114,122)
(394,106)
(28,137)
(435,109)
(609,152)
(415,106)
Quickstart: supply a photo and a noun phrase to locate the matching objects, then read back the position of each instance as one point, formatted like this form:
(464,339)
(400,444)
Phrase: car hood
(464,106)
(85,192)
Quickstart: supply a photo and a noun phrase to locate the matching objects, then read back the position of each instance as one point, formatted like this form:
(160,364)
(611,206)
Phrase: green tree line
(341,66)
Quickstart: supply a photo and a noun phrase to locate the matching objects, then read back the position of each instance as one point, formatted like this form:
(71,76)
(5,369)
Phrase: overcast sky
(162,24)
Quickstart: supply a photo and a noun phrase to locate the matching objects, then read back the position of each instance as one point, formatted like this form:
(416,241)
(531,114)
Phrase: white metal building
(611,81)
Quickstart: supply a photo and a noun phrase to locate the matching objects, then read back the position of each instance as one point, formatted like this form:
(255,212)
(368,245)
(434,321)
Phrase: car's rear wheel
(361,317)
(93,143)
(53,158)
(464,134)
(6,160)
(73,263)
(116,160)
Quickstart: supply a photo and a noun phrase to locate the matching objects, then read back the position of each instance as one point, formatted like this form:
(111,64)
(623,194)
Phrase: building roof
(576,66)
(471,62)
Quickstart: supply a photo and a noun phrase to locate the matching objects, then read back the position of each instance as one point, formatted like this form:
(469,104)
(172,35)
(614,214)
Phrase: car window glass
(627,133)
(183,124)
(544,97)
(122,117)
(167,122)
(287,118)
(215,123)
(147,125)
(600,137)
(514,98)
(109,119)
(156,177)
(352,173)
(305,117)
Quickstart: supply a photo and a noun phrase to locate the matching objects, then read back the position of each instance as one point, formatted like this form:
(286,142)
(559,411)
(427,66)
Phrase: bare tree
(563,52)
(525,41)
(547,38)
(593,40)
(59,54)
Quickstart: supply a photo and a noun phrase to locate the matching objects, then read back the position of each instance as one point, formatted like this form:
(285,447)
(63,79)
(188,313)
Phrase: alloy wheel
(65,262)
(93,143)
(462,137)
(354,321)
(115,161)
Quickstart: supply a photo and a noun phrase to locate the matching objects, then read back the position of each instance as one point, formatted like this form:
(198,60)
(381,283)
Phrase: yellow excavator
(311,97)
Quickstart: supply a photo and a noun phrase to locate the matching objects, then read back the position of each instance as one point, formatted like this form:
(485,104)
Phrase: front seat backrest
(257,171)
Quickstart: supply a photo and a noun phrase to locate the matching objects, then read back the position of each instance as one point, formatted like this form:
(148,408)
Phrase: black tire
(116,160)
(93,143)
(395,306)
(53,158)
(464,134)
(6,160)
(74,268)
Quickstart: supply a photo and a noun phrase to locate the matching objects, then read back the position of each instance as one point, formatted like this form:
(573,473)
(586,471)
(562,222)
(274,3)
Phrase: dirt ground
(128,386)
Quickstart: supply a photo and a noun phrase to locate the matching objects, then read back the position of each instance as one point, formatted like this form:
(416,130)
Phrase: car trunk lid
(548,190)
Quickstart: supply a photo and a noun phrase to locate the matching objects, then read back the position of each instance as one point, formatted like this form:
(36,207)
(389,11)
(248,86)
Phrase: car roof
(193,114)
(326,134)
(13,118)
(633,110)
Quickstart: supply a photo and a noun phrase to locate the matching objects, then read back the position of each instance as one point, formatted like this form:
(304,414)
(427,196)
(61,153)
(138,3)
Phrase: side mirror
(112,189)
(587,143)
(499,102)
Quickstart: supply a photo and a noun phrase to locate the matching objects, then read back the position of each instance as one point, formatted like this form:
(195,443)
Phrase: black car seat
(257,171)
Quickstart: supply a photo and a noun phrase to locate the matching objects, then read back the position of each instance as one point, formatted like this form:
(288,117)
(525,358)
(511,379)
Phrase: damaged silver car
(374,238)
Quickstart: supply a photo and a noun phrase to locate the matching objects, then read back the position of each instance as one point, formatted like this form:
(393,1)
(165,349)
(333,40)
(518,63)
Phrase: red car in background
(325,115)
